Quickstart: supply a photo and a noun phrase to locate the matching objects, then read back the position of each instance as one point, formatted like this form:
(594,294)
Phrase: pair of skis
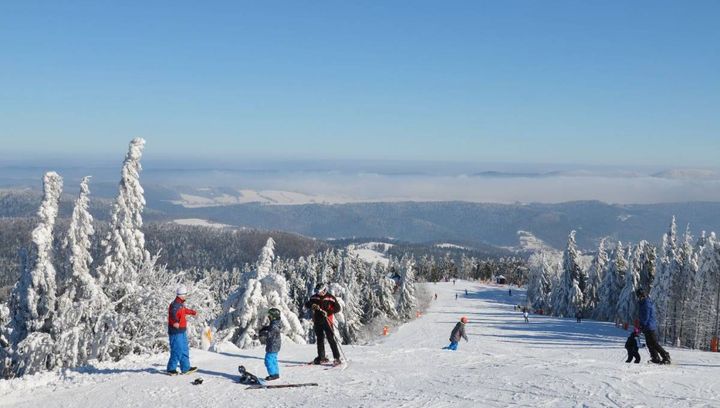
(254,382)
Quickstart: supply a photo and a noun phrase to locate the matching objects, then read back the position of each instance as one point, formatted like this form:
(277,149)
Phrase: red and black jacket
(176,314)
(328,304)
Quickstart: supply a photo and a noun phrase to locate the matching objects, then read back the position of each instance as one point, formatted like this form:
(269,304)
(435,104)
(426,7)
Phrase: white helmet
(181,291)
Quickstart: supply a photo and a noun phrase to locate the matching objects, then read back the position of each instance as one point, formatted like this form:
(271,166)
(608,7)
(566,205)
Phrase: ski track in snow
(549,362)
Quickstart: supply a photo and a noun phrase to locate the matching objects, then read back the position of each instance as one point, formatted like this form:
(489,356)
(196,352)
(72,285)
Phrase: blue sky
(601,82)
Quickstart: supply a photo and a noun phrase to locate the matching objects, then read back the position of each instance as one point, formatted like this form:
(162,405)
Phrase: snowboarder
(458,332)
(648,325)
(273,341)
(436,296)
(579,316)
(632,345)
(177,332)
(324,306)
(525,315)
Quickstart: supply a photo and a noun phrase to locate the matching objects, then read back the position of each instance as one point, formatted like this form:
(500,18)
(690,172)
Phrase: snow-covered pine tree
(347,291)
(384,288)
(648,260)
(407,304)
(125,253)
(573,275)
(627,302)
(705,296)
(244,313)
(595,278)
(576,299)
(612,284)
(668,267)
(372,308)
(33,298)
(84,312)
(682,285)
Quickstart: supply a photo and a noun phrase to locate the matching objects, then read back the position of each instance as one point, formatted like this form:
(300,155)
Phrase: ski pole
(337,341)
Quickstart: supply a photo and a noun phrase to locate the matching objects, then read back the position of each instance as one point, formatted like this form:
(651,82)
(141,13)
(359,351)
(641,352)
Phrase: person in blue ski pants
(457,333)
(273,342)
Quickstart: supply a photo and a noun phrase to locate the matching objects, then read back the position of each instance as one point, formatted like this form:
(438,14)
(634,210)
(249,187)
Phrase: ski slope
(549,362)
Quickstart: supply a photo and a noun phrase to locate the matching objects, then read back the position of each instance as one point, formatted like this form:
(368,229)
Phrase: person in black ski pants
(324,305)
(632,345)
(648,325)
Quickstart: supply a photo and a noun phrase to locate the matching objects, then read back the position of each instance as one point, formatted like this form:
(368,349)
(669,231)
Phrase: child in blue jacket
(273,340)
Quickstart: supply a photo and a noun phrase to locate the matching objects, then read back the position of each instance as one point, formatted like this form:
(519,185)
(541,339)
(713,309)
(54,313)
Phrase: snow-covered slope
(371,252)
(549,362)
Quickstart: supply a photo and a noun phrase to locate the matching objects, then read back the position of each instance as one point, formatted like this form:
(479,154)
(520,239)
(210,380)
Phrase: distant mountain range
(471,225)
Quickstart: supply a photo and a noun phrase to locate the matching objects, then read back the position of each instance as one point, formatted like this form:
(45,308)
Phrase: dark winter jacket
(633,342)
(176,314)
(647,315)
(273,339)
(328,306)
(458,332)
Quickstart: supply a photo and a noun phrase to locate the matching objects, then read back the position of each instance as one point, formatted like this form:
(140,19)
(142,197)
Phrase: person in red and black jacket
(324,305)
(177,328)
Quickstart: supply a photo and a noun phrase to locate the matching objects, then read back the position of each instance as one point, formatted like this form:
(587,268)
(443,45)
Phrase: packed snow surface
(549,362)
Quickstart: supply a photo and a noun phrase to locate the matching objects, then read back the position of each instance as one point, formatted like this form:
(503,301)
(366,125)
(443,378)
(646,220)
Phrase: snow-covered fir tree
(595,278)
(245,312)
(612,284)
(572,275)
(704,303)
(84,312)
(33,299)
(407,304)
(627,301)
(125,253)
(668,267)
(349,320)
(647,263)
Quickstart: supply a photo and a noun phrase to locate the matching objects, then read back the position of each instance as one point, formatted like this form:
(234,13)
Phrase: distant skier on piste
(324,305)
(458,332)
(648,325)
(633,345)
(177,332)
(273,341)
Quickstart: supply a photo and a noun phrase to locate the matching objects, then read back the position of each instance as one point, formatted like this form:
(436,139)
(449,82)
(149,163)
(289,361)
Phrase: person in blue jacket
(273,340)
(648,325)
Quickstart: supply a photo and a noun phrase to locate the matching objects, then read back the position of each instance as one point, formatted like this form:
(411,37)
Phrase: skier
(273,341)
(177,328)
(324,306)
(632,345)
(509,292)
(579,316)
(436,296)
(458,332)
(648,325)
(525,315)
(466,292)
(456,296)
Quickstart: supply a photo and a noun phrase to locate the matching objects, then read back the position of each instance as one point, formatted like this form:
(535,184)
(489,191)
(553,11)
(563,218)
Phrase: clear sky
(599,82)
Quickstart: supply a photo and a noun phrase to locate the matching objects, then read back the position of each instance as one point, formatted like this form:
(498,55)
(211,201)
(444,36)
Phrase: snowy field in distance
(197,222)
(550,362)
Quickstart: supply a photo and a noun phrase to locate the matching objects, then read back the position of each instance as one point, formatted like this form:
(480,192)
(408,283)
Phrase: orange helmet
(464,319)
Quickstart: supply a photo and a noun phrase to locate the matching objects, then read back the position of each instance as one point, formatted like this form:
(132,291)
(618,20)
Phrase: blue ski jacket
(647,315)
